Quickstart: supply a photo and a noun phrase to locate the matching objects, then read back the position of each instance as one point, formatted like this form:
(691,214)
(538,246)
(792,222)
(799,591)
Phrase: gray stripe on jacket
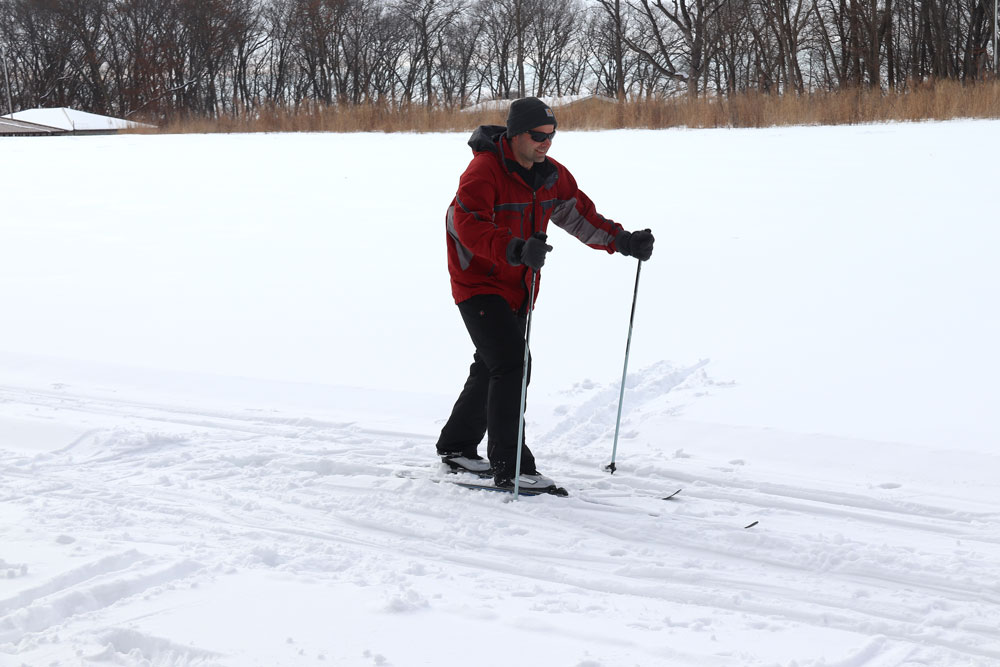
(566,216)
(464,254)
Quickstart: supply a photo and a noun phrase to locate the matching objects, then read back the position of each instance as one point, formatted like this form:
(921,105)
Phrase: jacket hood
(486,138)
(489,139)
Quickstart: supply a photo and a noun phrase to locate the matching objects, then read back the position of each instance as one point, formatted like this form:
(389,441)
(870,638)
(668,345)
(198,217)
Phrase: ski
(477,481)
(474,482)
(469,480)
(485,486)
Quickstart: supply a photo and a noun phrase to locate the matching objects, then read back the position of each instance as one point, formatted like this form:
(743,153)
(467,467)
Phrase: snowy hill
(222,383)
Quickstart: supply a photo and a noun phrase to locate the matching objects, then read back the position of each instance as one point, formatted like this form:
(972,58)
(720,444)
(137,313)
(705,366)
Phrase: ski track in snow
(157,498)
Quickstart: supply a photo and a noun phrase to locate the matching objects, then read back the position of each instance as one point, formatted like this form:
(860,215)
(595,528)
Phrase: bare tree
(616,45)
(166,57)
(457,73)
(550,31)
(680,36)
(498,61)
(84,21)
(430,19)
(612,70)
(787,20)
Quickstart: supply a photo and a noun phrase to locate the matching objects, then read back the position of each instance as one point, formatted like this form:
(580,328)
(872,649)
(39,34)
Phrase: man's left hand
(637,244)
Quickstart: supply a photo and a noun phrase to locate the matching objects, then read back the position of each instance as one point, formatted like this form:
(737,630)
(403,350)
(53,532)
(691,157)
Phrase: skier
(496,235)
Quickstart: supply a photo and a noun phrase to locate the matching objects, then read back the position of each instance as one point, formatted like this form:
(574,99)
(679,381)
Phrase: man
(496,237)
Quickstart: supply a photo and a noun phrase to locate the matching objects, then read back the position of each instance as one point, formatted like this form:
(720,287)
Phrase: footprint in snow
(13,570)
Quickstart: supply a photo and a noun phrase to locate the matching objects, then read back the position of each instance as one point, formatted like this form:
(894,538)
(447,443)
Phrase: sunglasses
(539,137)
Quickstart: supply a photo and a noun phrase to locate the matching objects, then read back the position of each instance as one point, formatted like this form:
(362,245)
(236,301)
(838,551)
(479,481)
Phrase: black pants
(490,402)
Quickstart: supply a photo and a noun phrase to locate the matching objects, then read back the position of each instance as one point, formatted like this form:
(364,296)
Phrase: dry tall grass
(927,101)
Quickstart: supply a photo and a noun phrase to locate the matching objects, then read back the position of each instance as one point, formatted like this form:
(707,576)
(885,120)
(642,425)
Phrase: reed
(938,100)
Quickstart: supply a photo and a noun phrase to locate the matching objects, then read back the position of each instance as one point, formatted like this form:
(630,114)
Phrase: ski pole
(524,388)
(621,396)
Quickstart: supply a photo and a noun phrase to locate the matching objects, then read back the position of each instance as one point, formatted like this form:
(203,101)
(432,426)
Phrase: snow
(219,353)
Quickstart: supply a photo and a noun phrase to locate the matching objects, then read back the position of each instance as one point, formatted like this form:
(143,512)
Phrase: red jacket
(494,204)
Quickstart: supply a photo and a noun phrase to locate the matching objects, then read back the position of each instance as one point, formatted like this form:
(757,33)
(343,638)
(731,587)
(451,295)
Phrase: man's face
(527,151)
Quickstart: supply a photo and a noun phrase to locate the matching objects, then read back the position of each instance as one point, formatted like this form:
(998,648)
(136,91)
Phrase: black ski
(486,486)
(469,480)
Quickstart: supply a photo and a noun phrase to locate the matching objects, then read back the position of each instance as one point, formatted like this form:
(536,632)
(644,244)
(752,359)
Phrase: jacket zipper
(524,279)
(534,197)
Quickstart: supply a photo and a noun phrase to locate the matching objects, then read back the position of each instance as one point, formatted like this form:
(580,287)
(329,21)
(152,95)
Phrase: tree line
(164,58)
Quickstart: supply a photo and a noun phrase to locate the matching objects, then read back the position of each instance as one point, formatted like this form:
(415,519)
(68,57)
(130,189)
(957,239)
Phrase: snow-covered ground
(218,353)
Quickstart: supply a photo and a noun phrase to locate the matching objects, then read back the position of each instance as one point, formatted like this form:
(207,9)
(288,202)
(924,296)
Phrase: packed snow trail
(158,504)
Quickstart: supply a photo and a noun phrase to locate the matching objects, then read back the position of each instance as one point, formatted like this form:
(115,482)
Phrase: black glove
(635,244)
(529,252)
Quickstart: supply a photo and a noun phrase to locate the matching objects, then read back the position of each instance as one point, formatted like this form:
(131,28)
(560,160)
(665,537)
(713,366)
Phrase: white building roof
(72,120)
(10,126)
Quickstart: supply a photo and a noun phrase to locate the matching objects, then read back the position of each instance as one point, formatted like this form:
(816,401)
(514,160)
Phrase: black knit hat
(526,114)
